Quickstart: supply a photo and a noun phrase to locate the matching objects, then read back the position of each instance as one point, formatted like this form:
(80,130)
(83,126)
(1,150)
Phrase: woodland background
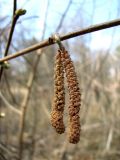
(28,84)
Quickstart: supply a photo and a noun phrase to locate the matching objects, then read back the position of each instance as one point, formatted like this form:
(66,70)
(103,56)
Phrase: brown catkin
(59,96)
(75,98)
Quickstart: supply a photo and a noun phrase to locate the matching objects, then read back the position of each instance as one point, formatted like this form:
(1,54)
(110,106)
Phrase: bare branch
(17,14)
(47,42)
(14,7)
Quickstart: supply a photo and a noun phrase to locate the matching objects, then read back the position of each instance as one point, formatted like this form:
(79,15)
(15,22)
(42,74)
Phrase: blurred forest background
(26,89)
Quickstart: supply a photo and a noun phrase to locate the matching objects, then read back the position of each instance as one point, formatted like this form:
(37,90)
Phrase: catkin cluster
(63,64)
(59,96)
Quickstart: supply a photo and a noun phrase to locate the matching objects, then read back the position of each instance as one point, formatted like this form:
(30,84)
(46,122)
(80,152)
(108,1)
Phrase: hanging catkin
(75,98)
(63,63)
(59,96)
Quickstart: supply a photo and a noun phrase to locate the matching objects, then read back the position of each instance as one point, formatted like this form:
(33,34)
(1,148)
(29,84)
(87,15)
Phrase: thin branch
(11,33)
(9,40)
(14,20)
(47,42)
(14,7)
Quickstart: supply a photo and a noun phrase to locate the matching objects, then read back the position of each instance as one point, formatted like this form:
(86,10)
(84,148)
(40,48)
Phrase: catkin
(59,96)
(75,98)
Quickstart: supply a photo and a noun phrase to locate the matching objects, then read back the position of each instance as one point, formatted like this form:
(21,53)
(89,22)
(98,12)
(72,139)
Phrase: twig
(49,42)
(17,14)
(14,20)
(14,7)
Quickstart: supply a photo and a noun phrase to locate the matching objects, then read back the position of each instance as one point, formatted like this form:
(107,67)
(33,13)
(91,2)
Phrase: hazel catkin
(59,96)
(75,98)
(63,63)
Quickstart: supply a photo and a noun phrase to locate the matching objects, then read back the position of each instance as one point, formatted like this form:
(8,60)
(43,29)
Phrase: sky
(89,12)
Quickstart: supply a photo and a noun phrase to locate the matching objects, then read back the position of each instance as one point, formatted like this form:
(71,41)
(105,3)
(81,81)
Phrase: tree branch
(49,42)
(17,14)
(14,7)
